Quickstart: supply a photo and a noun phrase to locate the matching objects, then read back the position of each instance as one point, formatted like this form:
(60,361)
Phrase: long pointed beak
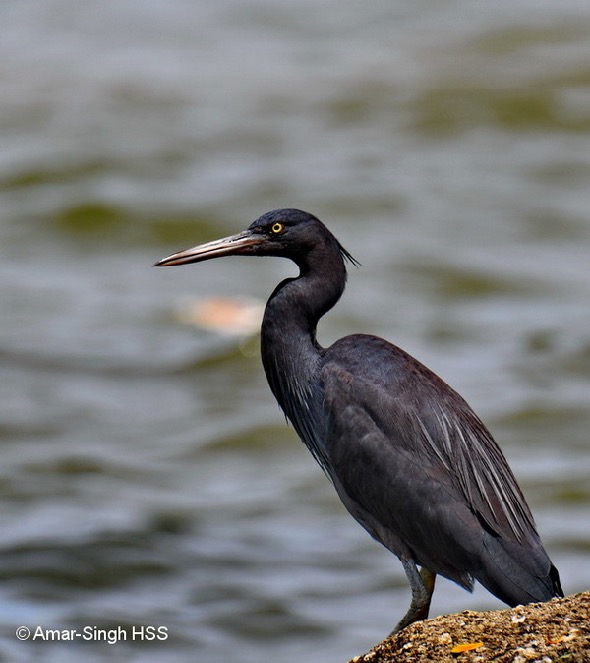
(240,244)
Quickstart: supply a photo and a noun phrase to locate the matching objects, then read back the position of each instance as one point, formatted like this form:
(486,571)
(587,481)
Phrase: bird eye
(276,228)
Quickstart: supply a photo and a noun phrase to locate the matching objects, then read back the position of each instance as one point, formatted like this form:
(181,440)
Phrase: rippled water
(147,476)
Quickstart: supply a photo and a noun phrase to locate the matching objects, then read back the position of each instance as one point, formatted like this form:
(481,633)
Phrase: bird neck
(293,311)
(290,352)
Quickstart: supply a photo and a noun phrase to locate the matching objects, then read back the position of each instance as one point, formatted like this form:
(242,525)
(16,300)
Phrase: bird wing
(413,463)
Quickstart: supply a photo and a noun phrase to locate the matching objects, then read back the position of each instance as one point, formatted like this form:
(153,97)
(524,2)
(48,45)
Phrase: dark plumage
(408,457)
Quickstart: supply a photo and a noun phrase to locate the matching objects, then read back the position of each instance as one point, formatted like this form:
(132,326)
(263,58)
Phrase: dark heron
(410,460)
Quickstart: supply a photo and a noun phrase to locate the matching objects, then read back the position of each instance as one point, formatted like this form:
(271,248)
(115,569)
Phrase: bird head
(287,233)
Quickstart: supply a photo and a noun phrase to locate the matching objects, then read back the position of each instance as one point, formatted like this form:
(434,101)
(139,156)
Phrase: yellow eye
(277,228)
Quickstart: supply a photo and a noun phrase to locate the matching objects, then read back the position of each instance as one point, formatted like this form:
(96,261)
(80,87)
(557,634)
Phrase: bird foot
(422,585)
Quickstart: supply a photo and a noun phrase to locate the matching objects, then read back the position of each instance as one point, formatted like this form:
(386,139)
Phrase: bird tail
(516,574)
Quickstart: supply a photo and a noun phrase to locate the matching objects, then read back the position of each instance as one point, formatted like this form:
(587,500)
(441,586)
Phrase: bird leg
(422,586)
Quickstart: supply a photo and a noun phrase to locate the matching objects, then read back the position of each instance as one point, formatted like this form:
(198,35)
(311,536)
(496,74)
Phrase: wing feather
(415,465)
